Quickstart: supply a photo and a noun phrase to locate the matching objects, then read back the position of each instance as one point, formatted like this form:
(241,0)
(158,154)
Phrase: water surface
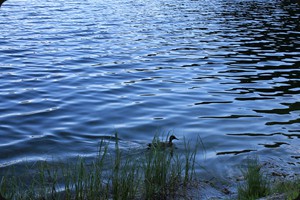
(72,72)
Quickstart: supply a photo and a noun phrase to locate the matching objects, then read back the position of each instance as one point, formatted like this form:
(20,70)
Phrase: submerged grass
(156,174)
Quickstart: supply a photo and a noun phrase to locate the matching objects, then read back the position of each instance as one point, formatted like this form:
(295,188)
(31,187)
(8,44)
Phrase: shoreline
(139,176)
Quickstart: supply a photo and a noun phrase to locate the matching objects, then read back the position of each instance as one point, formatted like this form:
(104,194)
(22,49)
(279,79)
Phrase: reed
(154,174)
(190,153)
(290,188)
(256,184)
(157,168)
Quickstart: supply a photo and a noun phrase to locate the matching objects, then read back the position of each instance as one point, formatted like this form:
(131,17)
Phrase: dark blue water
(74,71)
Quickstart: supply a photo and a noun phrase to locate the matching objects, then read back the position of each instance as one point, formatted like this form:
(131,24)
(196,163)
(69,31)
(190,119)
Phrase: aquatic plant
(154,174)
(256,183)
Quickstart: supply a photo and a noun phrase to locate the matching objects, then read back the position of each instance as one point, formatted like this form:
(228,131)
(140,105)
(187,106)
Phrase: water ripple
(225,70)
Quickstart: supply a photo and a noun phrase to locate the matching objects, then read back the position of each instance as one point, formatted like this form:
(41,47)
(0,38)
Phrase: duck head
(172,137)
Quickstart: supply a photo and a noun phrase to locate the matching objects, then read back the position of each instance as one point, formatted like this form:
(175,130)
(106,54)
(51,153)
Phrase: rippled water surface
(74,71)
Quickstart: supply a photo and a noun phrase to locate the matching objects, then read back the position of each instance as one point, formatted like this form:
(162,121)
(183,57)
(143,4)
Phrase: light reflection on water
(73,72)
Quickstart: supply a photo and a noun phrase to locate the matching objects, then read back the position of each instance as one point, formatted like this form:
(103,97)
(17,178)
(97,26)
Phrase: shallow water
(73,72)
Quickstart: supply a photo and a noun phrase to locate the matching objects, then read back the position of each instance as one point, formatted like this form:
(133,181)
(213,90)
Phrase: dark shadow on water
(235,152)
(275,145)
(255,134)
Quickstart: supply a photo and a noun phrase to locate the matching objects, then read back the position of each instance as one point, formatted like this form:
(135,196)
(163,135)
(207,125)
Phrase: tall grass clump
(290,188)
(166,172)
(256,184)
(125,175)
(152,174)
(190,153)
(156,170)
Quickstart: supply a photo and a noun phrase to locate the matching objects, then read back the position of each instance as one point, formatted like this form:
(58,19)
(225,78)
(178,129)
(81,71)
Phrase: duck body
(163,145)
(1,2)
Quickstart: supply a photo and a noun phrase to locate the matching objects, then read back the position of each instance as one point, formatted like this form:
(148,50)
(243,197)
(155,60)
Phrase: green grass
(290,188)
(256,184)
(154,174)
(114,174)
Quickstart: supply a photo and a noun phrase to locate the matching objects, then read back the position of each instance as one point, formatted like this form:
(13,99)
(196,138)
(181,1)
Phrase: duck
(163,145)
(1,2)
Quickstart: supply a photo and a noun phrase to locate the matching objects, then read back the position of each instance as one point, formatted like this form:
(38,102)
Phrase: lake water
(73,72)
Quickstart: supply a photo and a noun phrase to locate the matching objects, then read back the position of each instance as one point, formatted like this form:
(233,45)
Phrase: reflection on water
(227,71)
